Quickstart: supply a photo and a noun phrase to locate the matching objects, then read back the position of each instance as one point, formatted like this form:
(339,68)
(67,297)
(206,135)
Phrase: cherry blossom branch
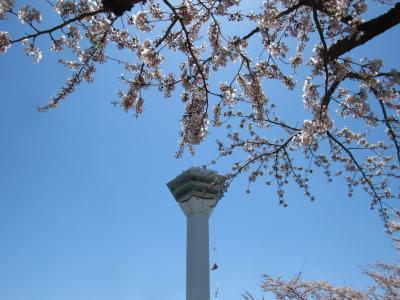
(60,26)
(282,14)
(76,78)
(377,198)
(167,32)
(387,122)
(196,61)
(307,3)
(189,44)
(262,155)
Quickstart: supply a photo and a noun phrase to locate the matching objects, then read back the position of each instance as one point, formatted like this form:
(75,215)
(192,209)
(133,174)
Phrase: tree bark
(118,7)
(369,30)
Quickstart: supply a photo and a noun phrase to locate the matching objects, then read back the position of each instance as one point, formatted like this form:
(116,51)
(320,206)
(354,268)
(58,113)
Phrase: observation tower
(197,190)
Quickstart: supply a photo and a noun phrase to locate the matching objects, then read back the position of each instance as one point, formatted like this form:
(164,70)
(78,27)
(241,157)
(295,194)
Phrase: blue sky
(85,213)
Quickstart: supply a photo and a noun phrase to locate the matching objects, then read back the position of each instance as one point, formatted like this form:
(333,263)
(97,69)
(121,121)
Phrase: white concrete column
(197,191)
(197,257)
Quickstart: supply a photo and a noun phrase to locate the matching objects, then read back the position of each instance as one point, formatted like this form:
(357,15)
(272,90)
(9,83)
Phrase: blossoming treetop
(347,100)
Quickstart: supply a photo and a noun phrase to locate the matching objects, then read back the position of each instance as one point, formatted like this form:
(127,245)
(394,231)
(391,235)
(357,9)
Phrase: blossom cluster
(4,41)
(32,50)
(141,21)
(28,14)
(65,8)
(6,6)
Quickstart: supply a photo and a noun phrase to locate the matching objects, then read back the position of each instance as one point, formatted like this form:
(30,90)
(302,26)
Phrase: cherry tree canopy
(350,125)
(386,278)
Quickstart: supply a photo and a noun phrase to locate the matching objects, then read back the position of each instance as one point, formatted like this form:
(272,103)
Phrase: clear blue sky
(85,213)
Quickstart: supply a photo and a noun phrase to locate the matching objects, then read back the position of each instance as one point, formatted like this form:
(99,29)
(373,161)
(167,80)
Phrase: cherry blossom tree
(386,278)
(348,100)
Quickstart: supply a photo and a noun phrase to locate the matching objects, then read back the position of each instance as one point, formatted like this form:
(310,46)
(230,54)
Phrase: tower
(197,190)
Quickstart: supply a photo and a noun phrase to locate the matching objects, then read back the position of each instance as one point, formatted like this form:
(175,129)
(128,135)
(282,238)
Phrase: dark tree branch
(119,7)
(387,122)
(167,32)
(354,160)
(325,50)
(327,97)
(368,30)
